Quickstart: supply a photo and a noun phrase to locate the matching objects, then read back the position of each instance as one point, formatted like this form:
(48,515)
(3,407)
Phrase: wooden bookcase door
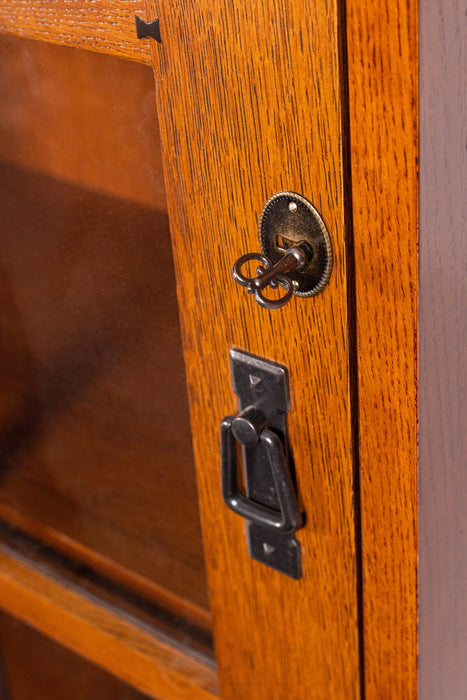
(251,102)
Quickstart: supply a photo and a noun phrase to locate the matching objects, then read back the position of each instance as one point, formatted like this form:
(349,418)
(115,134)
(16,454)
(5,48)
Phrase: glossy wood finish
(107,26)
(249,105)
(102,636)
(443,484)
(383,92)
(36,667)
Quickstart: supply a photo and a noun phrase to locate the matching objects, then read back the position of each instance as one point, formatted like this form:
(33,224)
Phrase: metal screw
(292,207)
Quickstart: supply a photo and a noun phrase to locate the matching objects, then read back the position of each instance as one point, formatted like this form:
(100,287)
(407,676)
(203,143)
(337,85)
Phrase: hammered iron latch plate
(268,501)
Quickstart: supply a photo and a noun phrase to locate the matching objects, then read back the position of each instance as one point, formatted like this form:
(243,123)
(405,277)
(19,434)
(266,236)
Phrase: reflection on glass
(94,427)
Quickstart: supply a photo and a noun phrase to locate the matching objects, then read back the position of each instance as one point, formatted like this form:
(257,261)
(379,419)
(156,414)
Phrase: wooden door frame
(407,107)
(383,97)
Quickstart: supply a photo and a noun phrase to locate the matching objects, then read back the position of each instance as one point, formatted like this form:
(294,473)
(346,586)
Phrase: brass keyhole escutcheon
(296,251)
(288,220)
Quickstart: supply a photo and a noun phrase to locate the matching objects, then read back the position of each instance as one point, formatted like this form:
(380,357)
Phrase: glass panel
(94,429)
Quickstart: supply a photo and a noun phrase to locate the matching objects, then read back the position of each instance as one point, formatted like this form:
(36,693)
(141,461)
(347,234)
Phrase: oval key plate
(288,219)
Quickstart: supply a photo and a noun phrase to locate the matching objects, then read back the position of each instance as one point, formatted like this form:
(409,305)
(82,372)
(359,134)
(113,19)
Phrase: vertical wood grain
(443,519)
(249,100)
(383,98)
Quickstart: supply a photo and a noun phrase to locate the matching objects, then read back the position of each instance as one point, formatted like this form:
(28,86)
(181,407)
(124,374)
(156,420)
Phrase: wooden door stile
(249,105)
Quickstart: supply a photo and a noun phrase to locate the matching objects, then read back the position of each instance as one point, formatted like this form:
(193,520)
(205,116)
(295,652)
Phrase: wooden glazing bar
(101,636)
(105,27)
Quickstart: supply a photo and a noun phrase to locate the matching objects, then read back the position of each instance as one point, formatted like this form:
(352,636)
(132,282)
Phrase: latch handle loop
(288,518)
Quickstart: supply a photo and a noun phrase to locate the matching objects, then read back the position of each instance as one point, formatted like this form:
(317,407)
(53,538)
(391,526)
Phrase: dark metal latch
(269,503)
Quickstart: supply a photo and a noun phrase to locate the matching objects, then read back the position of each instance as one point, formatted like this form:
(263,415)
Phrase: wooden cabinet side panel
(249,105)
(383,92)
(443,257)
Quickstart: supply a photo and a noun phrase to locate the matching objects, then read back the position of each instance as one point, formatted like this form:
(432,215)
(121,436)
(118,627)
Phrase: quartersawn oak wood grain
(383,91)
(107,26)
(249,105)
(102,636)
